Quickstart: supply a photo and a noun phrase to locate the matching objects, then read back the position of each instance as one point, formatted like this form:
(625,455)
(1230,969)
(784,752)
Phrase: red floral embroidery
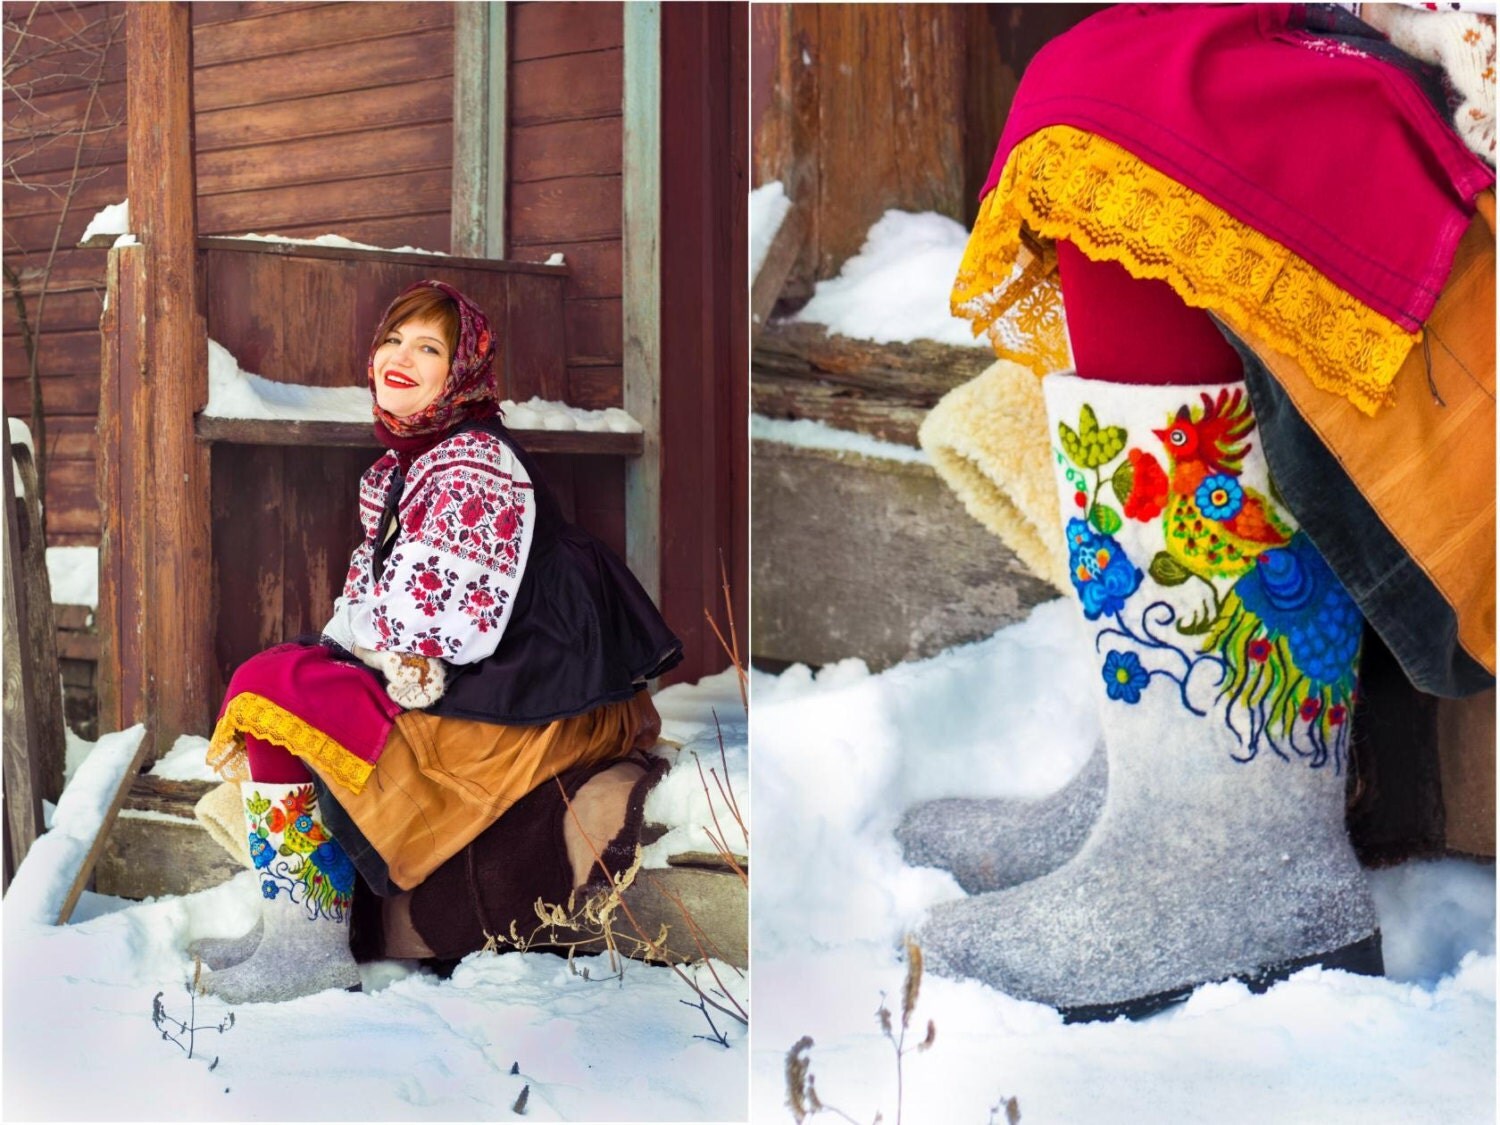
(1148,488)
(472,511)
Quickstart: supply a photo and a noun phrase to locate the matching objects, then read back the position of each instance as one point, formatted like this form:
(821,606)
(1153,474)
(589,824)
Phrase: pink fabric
(1333,154)
(270,763)
(1126,329)
(345,701)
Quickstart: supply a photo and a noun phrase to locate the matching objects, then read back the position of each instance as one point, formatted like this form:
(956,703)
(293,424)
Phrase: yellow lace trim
(249,713)
(1065,183)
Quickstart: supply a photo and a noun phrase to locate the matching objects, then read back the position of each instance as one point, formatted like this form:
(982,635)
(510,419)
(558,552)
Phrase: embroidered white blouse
(466,517)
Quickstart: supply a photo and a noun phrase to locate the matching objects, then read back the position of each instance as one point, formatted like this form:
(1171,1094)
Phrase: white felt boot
(1227,654)
(307,888)
(990,843)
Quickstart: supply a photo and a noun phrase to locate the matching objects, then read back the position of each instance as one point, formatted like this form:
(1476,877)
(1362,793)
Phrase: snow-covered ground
(809,433)
(839,756)
(80,1045)
(896,288)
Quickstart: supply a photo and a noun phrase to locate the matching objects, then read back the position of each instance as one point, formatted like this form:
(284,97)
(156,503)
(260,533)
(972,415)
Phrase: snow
(769,205)
(841,753)
(74,575)
(20,434)
(114,219)
(78,1001)
(336,240)
(895,290)
(186,761)
(680,800)
(556,259)
(807,433)
(235,393)
(41,882)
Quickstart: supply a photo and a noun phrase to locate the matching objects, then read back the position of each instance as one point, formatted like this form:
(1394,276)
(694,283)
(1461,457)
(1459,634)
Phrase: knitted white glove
(412,681)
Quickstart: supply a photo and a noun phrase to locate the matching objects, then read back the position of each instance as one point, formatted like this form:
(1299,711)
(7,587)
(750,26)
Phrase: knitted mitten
(307,888)
(1226,651)
(412,681)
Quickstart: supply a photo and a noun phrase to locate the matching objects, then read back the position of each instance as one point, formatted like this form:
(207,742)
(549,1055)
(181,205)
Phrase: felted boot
(1227,653)
(307,888)
(990,843)
(220,953)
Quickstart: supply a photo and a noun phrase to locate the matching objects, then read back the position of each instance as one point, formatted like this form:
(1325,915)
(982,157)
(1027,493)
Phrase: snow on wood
(49,874)
(112,220)
(807,433)
(895,289)
(186,761)
(20,434)
(336,240)
(768,207)
(74,575)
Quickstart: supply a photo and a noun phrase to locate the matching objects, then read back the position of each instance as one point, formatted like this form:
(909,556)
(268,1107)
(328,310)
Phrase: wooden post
(641,249)
(174,534)
(480,57)
(23,798)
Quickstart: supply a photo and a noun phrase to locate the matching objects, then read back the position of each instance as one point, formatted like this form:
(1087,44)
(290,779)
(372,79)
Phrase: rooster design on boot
(1271,636)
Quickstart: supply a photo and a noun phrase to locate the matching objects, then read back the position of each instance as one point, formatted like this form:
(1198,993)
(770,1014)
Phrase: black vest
(582,631)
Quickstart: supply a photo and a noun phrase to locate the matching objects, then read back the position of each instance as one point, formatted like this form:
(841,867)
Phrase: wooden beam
(22,795)
(101,838)
(641,250)
(256,431)
(175,644)
(480,75)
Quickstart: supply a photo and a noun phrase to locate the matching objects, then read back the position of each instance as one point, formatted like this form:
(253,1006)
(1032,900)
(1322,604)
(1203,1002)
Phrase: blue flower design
(1296,595)
(260,850)
(1219,497)
(334,862)
(1102,574)
(269,889)
(303,824)
(1124,678)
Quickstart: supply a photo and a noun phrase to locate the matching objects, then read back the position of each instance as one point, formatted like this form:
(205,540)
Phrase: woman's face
(411,366)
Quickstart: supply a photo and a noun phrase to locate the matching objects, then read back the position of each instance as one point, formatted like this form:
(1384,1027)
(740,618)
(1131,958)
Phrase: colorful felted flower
(334,863)
(269,889)
(1311,708)
(1337,714)
(1258,650)
(1102,574)
(1220,497)
(1124,678)
(261,852)
(1148,487)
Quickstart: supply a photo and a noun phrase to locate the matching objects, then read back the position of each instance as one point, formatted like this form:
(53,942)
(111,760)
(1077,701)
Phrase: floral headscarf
(470,390)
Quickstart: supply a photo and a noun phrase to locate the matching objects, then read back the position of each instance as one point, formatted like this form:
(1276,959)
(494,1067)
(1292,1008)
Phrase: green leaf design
(1123,481)
(285,849)
(1195,627)
(262,831)
(1106,519)
(1071,443)
(1169,572)
(258,805)
(1093,445)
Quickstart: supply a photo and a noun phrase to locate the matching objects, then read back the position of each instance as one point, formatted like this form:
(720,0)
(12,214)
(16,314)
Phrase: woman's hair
(426,303)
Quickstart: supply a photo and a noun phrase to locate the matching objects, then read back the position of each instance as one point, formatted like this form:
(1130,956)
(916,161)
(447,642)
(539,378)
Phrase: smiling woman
(482,644)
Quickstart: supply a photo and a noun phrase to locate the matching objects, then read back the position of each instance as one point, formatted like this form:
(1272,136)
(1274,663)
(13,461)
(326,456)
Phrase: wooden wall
(52,104)
(309,119)
(860,108)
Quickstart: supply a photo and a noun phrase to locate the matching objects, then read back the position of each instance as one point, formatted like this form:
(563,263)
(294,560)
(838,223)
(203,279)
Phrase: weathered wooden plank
(348,66)
(319,514)
(595,388)
(843,408)
(106,823)
(566,87)
(543,30)
(319,160)
(317,350)
(337,204)
(63,393)
(595,332)
(248,532)
(593,267)
(207,12)
(176,651)
(480,107)
(286,31)
(58,351)
(641,312)
(248,431)
(64,312)
(535,346)
(781,257)
(1466,747)
(428,100)
(39,631)
(578,208)
(566,148)
(922,370)
(55,113)
(22,788)
(426,230)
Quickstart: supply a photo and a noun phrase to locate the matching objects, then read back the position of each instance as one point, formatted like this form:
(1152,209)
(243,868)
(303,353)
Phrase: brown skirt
(440,781)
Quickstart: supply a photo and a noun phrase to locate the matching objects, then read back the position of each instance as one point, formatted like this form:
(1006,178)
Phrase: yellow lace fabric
(1065,183)
(249,713)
